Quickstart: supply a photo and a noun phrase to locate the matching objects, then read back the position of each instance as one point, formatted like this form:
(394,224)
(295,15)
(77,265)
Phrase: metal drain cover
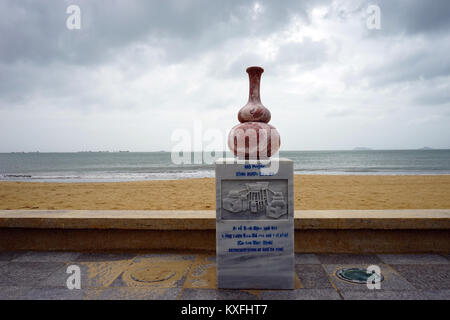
(151,274)
(357,275)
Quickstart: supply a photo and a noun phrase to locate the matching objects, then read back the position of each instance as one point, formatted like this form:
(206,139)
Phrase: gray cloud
(415,16)
(425,61)
(189,57)
(36,31)
(408,17)
(36,44)
(307,54)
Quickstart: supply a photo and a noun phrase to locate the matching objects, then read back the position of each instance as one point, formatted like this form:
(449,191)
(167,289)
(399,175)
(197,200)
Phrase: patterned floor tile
(62,294)
(306,258)
(46,256)
(140,293)
(312,276)
(13,293)
(413,259)
(93,274)
(431,276)
(101,256)
(437,294)
(26,273)
(383,295)
(10,255)
(162,271)
(348,259)
(202,274)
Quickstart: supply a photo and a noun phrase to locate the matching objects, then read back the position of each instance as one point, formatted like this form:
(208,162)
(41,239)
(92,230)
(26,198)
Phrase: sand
(317,192)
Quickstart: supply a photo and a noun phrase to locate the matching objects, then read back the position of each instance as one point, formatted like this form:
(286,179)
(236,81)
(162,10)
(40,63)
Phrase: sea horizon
(117,166)
(225,151)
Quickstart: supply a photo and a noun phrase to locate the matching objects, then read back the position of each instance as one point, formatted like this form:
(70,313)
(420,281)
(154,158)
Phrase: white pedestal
(255,224)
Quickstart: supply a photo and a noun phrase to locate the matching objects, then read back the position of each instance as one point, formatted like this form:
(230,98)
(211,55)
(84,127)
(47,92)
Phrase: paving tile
(216,294)
(348,259)
(101,256)
(10,255)
(59,277)
(312,276)
(413,259)
(300,294)
(437,294)
(162,271)
(62,294)
(98,270)
(166,256)
(26,273)
(202,274)
(99,274)
(431,276)
(46,256)
(3,263)
(13,293)
(383,295)
(392,280)
(306,258)
(136,293)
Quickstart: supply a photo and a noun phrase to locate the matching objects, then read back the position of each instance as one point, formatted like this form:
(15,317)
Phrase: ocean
(137,166)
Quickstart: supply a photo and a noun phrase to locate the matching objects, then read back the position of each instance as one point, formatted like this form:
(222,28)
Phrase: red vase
(254,138)
(254,111)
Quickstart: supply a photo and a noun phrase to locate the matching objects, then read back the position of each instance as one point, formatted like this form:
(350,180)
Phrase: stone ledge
(326,231)
(426,219)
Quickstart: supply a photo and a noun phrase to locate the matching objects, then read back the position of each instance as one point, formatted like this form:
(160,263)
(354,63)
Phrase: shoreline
(75,180)
(312,192)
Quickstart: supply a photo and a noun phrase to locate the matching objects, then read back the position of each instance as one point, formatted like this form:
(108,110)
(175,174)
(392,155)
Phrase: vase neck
(254,76)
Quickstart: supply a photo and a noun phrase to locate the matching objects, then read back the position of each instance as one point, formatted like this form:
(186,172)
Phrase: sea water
(137,166)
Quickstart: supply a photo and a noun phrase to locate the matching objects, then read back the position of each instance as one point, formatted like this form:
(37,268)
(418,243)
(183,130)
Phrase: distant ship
(362,149)
(426,148)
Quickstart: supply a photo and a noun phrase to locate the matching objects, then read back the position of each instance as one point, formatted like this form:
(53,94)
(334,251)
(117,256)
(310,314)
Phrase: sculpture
(255,199)
(254,138)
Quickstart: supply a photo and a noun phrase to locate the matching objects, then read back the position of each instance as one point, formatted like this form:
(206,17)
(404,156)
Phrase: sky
(136,73)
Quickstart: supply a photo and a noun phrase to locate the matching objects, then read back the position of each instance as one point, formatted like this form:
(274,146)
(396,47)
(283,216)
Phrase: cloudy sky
(138,71)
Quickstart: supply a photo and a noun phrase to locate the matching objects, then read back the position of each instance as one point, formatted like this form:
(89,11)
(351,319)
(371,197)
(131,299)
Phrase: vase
(254,138)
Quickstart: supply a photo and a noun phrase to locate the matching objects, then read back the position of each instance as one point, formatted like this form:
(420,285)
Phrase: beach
(313,192)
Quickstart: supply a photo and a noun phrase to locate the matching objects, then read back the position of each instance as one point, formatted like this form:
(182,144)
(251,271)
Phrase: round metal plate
(357,275)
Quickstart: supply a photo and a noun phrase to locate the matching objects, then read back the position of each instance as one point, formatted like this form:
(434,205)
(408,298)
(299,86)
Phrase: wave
(127,176)
(371,172)
(109,176)
(17,176)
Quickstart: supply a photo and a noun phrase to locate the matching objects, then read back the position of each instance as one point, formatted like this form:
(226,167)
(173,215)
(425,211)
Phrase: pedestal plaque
(254,203)
(255,224)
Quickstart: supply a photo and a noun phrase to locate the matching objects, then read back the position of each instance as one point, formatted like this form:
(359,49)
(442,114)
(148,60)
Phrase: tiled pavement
(42,275)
